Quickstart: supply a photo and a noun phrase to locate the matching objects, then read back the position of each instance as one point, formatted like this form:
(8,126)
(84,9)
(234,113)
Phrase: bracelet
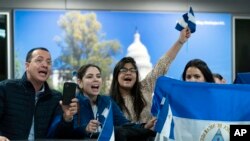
(180,42)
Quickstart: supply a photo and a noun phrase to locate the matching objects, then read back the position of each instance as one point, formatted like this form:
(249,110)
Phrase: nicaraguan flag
(107,133)
(202,111)
(187,19)
(160,109)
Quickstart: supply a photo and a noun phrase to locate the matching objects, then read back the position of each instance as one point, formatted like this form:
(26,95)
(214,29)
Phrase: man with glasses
(28,105)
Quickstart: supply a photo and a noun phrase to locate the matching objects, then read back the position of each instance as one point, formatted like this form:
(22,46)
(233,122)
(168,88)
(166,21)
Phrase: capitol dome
(140,53)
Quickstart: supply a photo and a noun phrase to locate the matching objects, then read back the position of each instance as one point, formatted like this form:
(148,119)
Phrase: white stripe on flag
(107,133)
(167,125)
(160,137)
(112,138)
(191,18)
(163,101)
(201,130)
(105,112)
(183,23)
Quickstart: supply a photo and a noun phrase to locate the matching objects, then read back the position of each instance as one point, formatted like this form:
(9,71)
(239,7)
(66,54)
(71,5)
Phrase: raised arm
(163,64)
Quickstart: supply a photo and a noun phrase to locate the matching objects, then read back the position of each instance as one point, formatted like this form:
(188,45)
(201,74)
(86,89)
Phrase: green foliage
(17,66)
(83,43)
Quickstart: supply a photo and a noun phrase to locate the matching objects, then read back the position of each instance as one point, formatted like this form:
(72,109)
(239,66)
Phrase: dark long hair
(138,100)
(202,66)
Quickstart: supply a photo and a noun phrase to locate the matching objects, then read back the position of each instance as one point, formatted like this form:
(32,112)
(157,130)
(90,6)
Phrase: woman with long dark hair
(134,96)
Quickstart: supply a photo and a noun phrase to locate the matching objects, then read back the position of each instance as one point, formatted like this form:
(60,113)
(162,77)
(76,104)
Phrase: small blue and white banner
(200,111)
(187,19)
(107,133)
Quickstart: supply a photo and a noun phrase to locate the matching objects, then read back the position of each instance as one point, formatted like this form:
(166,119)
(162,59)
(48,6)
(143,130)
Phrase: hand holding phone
(69,90)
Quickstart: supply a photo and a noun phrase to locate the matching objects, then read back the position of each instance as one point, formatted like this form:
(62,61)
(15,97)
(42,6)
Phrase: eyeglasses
(124,70)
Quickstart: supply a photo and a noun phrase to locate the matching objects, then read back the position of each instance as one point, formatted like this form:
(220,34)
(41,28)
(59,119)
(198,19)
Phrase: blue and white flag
(107,133)
(187,19)
(202,111)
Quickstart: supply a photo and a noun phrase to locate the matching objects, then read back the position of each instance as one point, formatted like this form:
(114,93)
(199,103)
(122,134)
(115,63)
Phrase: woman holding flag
(133,96)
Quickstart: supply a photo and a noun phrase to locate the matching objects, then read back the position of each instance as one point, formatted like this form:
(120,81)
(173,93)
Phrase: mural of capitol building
(136,50)
(140,53)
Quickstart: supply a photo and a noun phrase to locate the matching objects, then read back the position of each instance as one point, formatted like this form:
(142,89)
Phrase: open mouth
(43,72)
(128,79)
(95,87)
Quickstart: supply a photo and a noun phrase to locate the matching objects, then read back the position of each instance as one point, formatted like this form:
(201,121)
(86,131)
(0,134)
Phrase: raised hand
(70,110)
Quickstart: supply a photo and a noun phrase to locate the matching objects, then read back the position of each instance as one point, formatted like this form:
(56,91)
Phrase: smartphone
(69,90)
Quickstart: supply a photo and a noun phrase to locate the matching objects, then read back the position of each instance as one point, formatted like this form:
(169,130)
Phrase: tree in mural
(18,66)
(82,42)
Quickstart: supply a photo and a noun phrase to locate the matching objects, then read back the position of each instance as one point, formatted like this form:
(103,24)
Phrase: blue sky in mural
(211,41)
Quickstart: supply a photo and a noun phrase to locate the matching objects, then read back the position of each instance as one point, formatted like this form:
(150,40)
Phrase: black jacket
(17,107)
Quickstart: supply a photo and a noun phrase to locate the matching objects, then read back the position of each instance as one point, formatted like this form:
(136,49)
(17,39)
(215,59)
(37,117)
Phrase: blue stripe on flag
(187,19)
(161,118)
(208,101)
(107,133)
(159,95)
